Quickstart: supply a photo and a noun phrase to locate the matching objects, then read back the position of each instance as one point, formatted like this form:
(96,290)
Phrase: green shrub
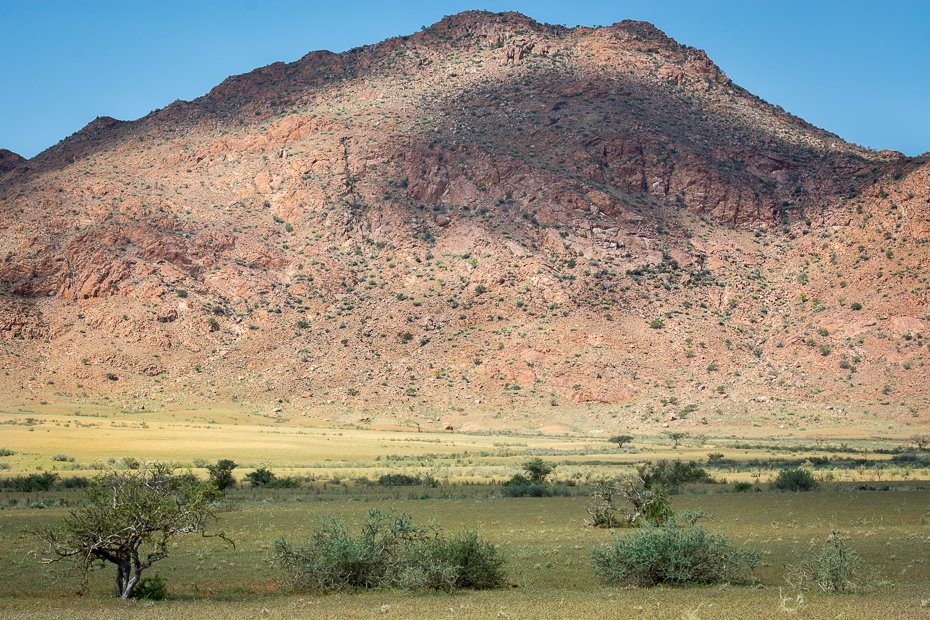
(832,568)
(64,458)
(742,487)
(399,480)
(31,483)
(390,551)
(6,452)
(673,554)
(538,470)
(529,489)
(221,476)
(795,480)
(75,482)
(627,501)
(261,477)
(461,561)
(672,474)
(153,588)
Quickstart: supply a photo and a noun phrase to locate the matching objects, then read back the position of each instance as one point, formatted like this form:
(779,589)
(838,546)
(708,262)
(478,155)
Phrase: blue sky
(859,69)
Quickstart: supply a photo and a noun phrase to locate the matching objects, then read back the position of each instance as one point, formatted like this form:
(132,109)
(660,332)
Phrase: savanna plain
(870,493)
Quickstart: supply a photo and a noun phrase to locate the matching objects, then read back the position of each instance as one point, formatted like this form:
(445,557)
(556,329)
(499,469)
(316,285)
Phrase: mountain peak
(491,216)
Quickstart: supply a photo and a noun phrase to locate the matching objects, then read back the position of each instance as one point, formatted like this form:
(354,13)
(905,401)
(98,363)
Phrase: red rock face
(492,215)
(10,160)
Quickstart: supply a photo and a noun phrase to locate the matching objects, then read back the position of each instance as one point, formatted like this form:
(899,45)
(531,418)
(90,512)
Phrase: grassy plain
(544,540)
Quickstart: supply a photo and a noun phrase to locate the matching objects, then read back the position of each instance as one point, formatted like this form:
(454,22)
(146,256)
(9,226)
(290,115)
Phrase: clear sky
(859,69)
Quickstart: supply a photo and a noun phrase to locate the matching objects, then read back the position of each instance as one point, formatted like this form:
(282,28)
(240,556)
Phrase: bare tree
(920,440)
(625,501)
(127,518)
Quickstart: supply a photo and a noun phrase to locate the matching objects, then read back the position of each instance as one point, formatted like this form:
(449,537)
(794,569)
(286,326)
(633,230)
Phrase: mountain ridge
(576,195)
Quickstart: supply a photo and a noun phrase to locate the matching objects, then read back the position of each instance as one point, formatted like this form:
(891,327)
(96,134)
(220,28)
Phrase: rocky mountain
(491,223)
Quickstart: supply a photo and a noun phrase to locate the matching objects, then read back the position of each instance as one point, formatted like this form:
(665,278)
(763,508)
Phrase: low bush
(75,482)
(795,480)
(153,588)
(262,477)
(672,474)
(533,490)
(742,487)
(390,551)
(30,483)
(520,486)
(832,568)
(399,480)
(675,554)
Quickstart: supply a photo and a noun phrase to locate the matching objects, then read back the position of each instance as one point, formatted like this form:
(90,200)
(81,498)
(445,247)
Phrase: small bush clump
(832,568)
(152,588)
(795,480)
(521,486)
(399,480)
(390,551)
(262,477)
(674,554)
(30,483)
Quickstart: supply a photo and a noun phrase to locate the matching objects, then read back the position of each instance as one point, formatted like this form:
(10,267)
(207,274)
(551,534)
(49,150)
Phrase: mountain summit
(493,223)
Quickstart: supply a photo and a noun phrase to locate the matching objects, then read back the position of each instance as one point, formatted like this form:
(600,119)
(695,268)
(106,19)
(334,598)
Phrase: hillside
(493,223)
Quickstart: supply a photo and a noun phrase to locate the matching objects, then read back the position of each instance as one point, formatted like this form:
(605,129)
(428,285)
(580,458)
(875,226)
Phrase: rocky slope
(491,223)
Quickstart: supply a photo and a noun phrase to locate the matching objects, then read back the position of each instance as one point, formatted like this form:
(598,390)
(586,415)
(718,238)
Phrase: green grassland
(544,540)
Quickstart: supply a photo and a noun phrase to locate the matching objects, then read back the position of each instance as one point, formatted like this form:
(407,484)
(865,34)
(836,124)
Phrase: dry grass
(546,546)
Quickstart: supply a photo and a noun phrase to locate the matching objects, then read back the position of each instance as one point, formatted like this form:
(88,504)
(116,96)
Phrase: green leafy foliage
(128,519)
(390,551)
(672,474)
(673,553)
(30,483)
(153,588)
(795,480)
(221,476)
(538,470)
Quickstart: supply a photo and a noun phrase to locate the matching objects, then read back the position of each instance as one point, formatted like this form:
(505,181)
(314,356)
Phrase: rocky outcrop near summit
(10,160)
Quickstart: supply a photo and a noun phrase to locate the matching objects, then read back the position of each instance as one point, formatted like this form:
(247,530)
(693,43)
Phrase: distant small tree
(538,470)
(920,440)
(620,440)
(221,476)
(676,437)
(122,514)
